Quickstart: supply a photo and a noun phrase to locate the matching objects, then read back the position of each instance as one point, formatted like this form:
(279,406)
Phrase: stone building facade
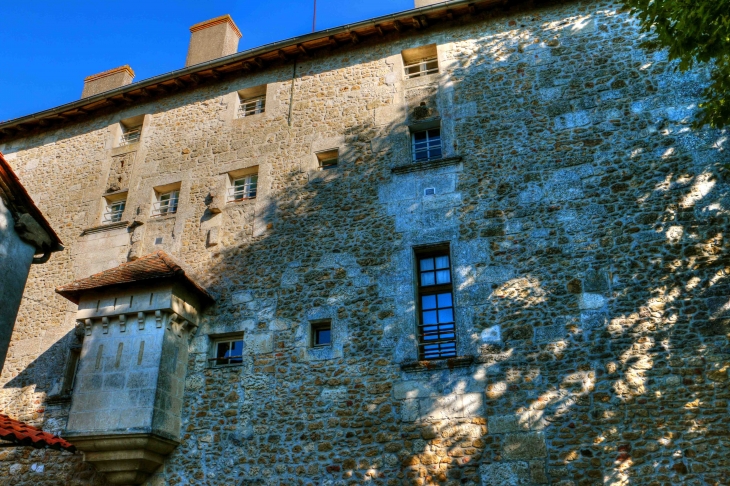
(584,222)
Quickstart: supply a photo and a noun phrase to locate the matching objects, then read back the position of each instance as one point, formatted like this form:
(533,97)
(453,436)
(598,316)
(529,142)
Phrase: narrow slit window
(243,188)
(437,326)
(426,145)
(227,351)
(166,203)
(72,368)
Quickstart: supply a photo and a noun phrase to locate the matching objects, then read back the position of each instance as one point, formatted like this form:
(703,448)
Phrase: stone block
(410,410)
(500,424)
(504,474)
(552,333)
(529,445)
(259,343)
(412,389)
(591,301)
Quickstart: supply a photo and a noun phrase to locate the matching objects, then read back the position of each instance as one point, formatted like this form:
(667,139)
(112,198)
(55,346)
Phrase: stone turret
(136,320)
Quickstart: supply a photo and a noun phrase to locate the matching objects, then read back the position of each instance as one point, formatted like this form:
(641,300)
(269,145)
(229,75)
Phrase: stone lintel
(431,164)
(450,363)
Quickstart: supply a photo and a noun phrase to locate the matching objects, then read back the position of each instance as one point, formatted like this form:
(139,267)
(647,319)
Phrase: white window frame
(130,135)
(423,69)
(113,211)
(251,106)
(215,361)
(247,190)
(165,207)
(432,144)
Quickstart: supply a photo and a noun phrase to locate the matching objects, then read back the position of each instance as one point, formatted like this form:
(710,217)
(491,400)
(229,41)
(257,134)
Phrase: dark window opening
(227,351)
(321,333)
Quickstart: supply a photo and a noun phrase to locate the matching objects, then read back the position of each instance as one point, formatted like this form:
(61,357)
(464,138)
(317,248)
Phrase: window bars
(437,327)
(227,352)
(166,204)
(243,188)
(422,68)
(252,106)
(427,145)
(131,135)
(113,213)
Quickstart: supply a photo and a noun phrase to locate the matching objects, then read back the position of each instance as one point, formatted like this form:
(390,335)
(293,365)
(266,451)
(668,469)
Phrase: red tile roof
(158,265)
(20,198)
(23,434)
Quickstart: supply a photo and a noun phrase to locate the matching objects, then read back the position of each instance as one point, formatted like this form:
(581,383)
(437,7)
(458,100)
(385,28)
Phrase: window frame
(328,156)
(315,327)
(213,359)
(415,151)
(157,206)
(116,214)
(435,290)
(423,69)
(130,135)
(258,102)
(250,190)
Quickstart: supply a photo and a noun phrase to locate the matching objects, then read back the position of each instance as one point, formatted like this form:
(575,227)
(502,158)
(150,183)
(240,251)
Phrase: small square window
(166,203)
(420,61)
(227,351)
(426,145)
(321,333)
(243,188)
(328,159)
(131,130)
(114,208)
(252,101)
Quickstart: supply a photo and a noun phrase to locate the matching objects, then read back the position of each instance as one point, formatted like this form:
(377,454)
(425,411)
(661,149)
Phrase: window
(426,145)
(252,101)
(227,351)
(420,61)
(72,367)
(321,333)
(130,135)
(131,130)
(166,203)
(243,188)
(328,159)
(113,211)
(437,328)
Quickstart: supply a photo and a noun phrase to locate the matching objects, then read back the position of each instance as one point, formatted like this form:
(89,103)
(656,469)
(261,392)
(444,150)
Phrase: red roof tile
(158,265)
(23,434)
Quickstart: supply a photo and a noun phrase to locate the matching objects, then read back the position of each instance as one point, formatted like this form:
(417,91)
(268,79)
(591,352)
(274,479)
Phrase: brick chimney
(212,39)
(114,78)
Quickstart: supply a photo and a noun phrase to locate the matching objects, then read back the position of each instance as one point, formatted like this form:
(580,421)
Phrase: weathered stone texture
(587,224)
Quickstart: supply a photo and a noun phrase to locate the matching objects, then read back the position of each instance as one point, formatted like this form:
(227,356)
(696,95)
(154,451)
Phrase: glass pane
(436,153)
(237,348)
(429,317)
(428,278)
(165,197)
(254,179)
(428,302)
(323,336)
(419,136)
(432,65)
(446,315)
(427,264)
(442,262)
(445,300)
(222,351)
(443,277)
(434,132)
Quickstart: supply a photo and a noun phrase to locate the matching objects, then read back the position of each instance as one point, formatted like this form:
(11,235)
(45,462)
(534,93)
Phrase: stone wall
(586,222)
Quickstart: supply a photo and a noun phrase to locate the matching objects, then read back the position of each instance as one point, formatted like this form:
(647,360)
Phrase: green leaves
(695,32)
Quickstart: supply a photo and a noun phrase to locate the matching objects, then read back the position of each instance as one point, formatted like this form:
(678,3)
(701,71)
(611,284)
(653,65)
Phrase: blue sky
(47,47)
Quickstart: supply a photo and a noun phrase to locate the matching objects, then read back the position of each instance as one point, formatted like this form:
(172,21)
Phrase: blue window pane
(429,317)
(442,262)
(237,348)
(428,302)
(426,264)
(428,278)
(445,300)
(323,336)
(434,132)
(446,315)
(419,136)
(443,277)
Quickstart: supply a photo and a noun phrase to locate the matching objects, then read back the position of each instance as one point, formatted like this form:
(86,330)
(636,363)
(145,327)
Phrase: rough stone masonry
(587,227)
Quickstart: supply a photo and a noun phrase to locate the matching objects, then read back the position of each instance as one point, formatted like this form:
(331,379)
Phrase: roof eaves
(245,55)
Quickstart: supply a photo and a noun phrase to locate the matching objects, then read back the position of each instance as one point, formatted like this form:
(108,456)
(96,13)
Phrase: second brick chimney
(212,39)
(114,78)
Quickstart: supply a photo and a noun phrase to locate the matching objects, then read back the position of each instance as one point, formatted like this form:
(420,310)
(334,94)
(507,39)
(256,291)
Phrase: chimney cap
(216,21)
(110,72)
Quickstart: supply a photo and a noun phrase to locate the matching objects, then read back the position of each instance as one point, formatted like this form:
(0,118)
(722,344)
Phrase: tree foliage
(696,32)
